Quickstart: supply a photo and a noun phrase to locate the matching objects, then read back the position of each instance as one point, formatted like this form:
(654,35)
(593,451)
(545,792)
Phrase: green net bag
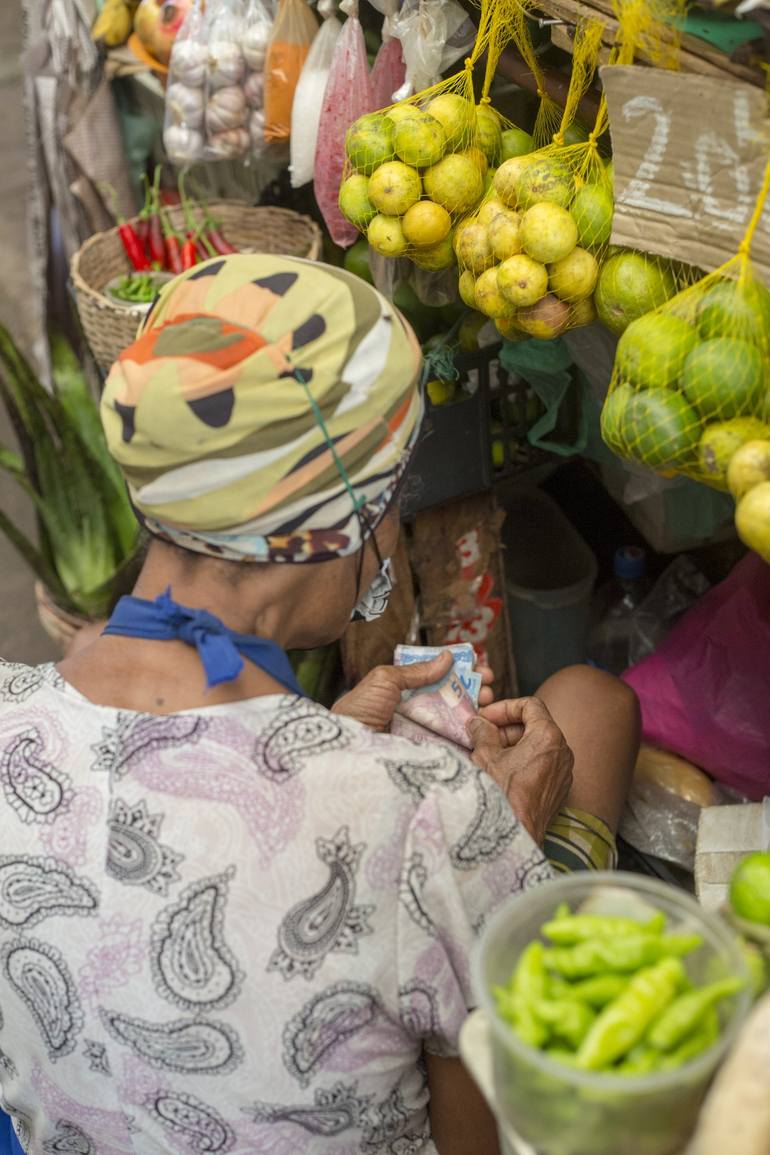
(691,380)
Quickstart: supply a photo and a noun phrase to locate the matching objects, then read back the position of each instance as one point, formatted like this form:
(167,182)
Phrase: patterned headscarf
(266,411)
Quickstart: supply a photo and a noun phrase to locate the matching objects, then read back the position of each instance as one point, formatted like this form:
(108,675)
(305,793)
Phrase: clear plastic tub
(562,1111)
(549,576)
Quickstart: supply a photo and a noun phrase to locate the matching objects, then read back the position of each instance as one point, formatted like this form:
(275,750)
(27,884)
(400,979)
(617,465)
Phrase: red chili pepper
(142,229)
(173,254)
(218,242)
(134,247)
(155,228)
(189,253)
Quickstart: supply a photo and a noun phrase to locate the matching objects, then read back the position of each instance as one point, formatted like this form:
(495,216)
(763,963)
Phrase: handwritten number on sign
(638,195)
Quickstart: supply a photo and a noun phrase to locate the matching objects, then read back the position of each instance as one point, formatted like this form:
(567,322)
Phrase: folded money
(464,660)
(444,709)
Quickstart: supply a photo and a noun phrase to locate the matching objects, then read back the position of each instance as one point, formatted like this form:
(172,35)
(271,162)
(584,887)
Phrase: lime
(750,888)
(440,392)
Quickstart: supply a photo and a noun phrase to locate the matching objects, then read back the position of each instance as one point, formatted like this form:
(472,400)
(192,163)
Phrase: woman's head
(266,412)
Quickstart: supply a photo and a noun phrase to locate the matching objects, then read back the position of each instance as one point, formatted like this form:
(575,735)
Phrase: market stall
(570,204)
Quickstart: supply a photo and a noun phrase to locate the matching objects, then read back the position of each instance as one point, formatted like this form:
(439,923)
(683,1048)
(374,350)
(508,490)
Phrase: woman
(230,920)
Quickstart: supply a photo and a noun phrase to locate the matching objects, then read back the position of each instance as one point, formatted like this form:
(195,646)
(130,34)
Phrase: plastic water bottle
(615,609)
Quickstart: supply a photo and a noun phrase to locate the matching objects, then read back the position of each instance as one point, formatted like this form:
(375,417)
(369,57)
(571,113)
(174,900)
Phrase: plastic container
(615,610)
(562,1111)
(550,574)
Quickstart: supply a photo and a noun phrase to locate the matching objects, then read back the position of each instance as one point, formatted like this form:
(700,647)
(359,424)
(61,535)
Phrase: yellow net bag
(417,167)
(691,380)
(529,256)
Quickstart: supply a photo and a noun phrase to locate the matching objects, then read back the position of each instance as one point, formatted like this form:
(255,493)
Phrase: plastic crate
(457,455)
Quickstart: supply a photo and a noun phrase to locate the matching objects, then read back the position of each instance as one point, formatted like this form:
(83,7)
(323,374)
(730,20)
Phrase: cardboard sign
(689,154)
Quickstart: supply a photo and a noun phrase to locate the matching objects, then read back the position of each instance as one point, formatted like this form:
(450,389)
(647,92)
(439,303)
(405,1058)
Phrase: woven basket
(60,625)
(110,327)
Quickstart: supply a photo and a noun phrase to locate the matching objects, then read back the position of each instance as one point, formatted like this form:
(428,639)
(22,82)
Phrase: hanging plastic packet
(309,96)
(389,68)
(690,387)
(293,32)
(227,110)
(348,96)
(256,37)
(183,128)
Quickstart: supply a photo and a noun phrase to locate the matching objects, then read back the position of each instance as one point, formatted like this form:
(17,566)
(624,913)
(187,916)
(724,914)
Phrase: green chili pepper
(582,927)
(562,1056)
(640,1060)
(622,1024)
(568,1019)
(686,1012)
(599,990)
(528,985)
(622,954)
(694,1045)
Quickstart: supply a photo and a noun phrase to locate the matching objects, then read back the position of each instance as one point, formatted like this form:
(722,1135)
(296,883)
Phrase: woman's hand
(518,744)
(375,699)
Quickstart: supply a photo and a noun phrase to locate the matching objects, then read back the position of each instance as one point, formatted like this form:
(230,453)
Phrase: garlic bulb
(254,45)
(184,145)
(189,62)
(229,145)
(226,64)
(185,105)
(226,109)
(257,129)
(254,90)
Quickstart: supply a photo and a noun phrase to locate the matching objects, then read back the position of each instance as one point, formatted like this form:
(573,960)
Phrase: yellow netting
(529,256)
(691,381)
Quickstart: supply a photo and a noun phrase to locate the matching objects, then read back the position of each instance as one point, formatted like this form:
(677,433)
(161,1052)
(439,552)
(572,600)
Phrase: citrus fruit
(652,350)
(724,377)
(548,233)
(440,392)
(386,236)
(515,142)
(394,187)
(457,117)
(629,286)
(489,299)
(354,200)
(752,519)
(507,176)
(426,223)
(473,249)
(722,440)
(469,332)
(522,281)
(546,319)
(573,277)
(750,888)
(369,142)
(577,133)
(455,183)
(488,133)
(583,312)
(400,112)
(419,140)
(504,234)
(489,210)
(732,310)
(613,415)
(592,209)
(544,180)
(467,287)
(438,256)
(357,260)
(507,327)
(659,428)
(749,466)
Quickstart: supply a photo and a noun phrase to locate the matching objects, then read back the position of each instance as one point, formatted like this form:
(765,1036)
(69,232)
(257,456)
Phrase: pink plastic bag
(705,692)
(388,72)
(348,95)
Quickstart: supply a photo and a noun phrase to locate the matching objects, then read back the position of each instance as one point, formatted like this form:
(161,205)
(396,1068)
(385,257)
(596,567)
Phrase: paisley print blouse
(234,930)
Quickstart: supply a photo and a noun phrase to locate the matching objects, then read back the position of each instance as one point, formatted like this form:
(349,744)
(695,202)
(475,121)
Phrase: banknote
(464,659)
(444,708)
